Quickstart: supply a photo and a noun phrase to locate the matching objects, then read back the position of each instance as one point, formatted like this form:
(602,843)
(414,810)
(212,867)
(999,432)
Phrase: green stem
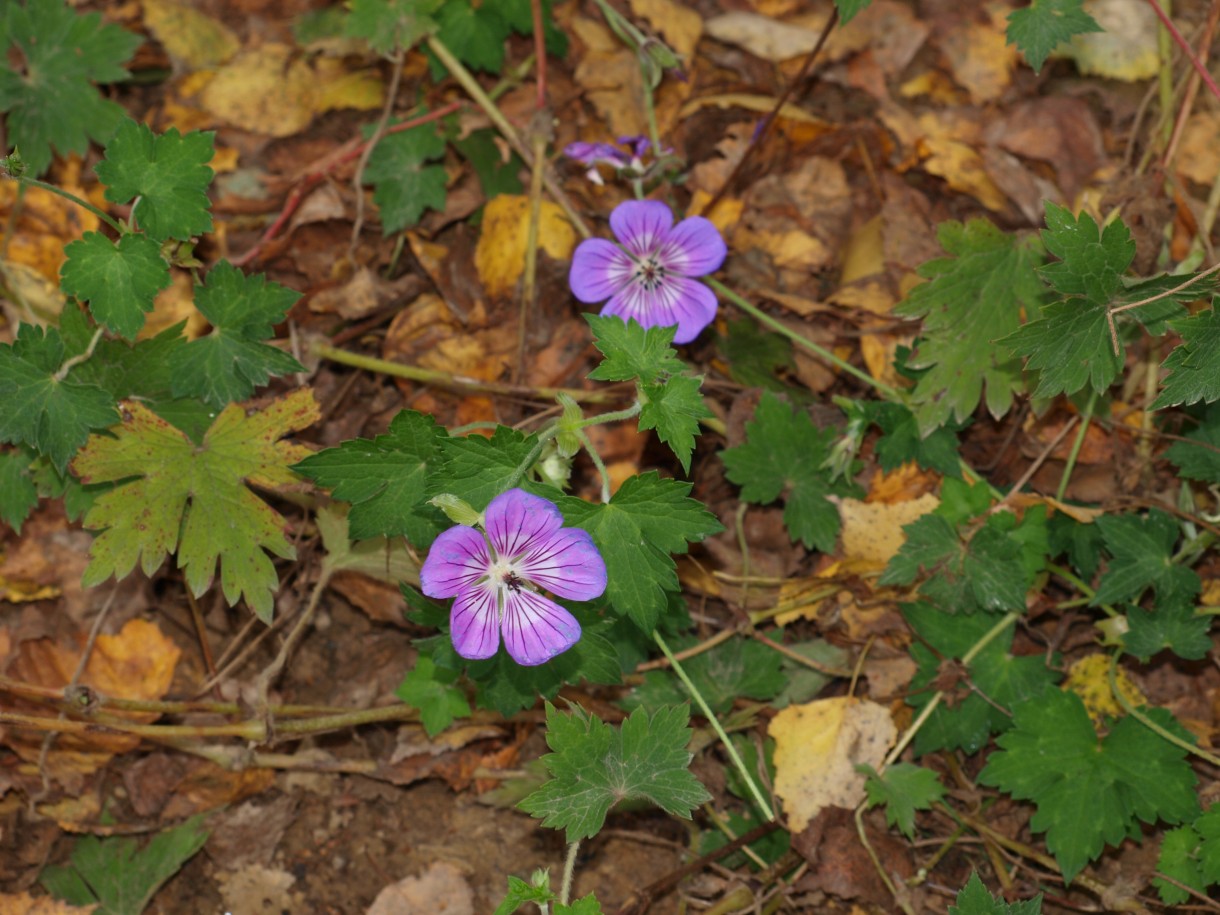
(475,91)
(79,201)
(454,382)
(738,763)
(821,352)
(1148,722)
(613,416)
(1078,443)
(569,871)
(597,462)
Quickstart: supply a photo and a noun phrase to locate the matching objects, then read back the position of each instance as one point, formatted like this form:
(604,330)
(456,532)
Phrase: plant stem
(1147,722)
(76,360)
(569,871)
(1077,444)
(597,462)
(762,317)
(738,763)
(79,201)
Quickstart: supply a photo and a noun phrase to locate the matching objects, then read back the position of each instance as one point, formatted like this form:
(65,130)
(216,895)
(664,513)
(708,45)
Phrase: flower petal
(516,522)
(693,248)
(457,560)
(599,270)
(592,153)
(641,225)
(536,628)
(566,564)
(681,301)
(474,624)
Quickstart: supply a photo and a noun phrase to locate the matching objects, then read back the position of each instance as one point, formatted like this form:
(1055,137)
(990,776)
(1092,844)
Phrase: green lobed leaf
(1069,346)
(971,299)
(995,680)
(1173,625)
(18,494)
(974,899)
(169,173)
(1194,366)
(520,893)
(901,441)
(783,456)
(734,669)
(1092,260)
(385,479)
(674,408)
(478,469)
(849,8)
(636,531)
(1198,457)
(430,689)
(475,34)
(120,281)
(903,788)
(593,766)
(1044,25)
(52,415)
(55,56)
(1089,791)
(391,25)
(192,499)
(1179,859)
(632,351)
(120,875)
(403,185)
(231,361)
(497,174)
(1141,547)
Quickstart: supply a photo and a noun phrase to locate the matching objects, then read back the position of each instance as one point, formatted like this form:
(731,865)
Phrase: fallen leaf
(872,531)
(190,37)
(258,890)
(981,58)
(818,745)
(610,76)
(678,25)
(441,888)
(764,37)
(500,255)
(1126,46)
(25,904)
(1089,678)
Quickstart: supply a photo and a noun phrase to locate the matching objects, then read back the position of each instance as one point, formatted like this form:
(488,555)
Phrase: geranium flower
(495,576)
(650,274)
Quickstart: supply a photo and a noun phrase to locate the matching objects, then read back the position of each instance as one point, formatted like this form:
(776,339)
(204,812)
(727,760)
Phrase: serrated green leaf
(193,499)
(1092,261)
(169,173)
(1069,346)
(230,362)
(1198,457)
(521,893)
(1089,791)
(52,415)
(783,455)
(971,300)
(18,494)
(119,280)
(391,25)
(586,905)
(403,186)
(497,174)
(647,519)
(632,351)
(974,899)
(1194,366)
(54,57)
(119,875)
(385,479)
(478,469)
(1044,25)
(1172,625)
(849,8)
(674,409)
(475,34)
(903,788)
(901,441)
(733,669)
(593,766)
(1141,548)
(994,680)
(430,689)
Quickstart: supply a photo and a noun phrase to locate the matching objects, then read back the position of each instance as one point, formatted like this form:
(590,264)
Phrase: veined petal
(685,302)
(536,628)
(641,225)
(567,564)
(599,270)
(474,624)
(457,560)
(693,248)
(516,522)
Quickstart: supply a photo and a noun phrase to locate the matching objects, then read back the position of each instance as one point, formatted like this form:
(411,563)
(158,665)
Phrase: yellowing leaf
(872,531)
(678,25)
(1089,678)
(1126,46)
(275,91)
(190,37)
(193,499)
(25,904)
(500,255)
(818,745)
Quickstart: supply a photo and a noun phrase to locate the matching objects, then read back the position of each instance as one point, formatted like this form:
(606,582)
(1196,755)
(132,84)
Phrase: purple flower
(593,153)
(650,274)
(495,575)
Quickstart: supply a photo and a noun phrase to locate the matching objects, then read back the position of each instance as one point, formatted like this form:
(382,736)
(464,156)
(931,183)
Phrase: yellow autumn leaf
(500,255)
(817,747)
(190,37)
